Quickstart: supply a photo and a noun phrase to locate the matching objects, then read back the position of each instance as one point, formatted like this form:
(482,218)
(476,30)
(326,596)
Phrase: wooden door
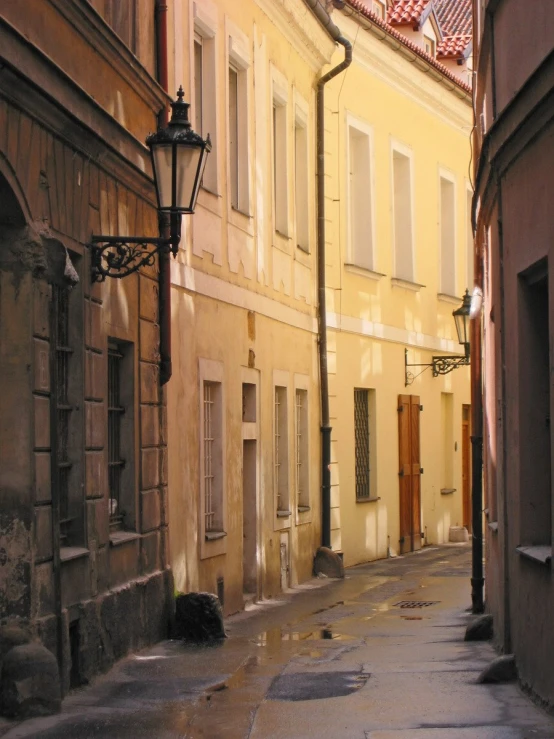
(409,472)
(466,466)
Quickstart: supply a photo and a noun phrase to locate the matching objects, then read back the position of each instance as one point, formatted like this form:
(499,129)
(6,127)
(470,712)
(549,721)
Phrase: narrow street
(379,655)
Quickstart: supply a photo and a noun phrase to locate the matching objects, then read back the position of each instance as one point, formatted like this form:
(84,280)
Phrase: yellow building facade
(399,258)
(243,401)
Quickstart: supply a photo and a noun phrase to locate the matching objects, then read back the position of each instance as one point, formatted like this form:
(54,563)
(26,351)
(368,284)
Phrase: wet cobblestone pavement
(379,655)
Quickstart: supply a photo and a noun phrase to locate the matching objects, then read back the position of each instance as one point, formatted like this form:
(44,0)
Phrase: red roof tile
(362,8)
(455,16)
(453,47)
(406,12)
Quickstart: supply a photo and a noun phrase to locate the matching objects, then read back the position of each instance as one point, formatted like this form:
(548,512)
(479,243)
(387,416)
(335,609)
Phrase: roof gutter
(323,16)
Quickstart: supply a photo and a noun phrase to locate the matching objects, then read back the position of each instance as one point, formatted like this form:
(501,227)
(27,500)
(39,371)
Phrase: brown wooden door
(409,472)
(466,466)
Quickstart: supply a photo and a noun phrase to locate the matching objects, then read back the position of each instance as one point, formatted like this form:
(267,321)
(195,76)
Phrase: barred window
(361,443)
(116,409)
(302,462)
(280,452)
(63,407)
(212,458)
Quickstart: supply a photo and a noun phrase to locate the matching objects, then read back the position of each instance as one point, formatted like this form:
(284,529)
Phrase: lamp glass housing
(461,319)
(178,160)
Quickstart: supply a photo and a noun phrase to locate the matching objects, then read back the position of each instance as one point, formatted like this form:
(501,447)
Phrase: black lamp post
(178,160)
(443,364)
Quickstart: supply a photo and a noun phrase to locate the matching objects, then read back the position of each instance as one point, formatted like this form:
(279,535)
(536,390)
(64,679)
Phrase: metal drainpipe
(326,428)
(164,259)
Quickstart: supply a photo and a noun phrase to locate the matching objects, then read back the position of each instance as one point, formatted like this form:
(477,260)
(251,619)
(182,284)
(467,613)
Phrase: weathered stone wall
(111,590)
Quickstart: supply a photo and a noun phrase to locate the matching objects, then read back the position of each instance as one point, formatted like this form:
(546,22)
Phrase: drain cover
(416,603)
(309,686)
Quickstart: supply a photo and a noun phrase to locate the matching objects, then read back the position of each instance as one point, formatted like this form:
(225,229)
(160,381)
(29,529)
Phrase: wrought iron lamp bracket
(119,256)
(440,365)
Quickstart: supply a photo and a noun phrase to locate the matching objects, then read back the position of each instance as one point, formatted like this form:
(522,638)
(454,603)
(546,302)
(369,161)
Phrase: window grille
(116,463)
(280,445)
(209,497)
(361,437)
(299,444)
(63,406)
(302,492)
(277,436)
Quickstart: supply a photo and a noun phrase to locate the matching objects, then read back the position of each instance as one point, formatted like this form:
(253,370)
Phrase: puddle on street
(273,636)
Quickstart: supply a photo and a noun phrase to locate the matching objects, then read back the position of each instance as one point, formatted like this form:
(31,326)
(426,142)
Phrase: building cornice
(97,33)
(384,32)
(396,72)
(298,24)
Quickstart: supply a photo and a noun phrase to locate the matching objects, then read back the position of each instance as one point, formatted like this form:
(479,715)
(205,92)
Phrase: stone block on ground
(501,670)
(29,682)
(480,630)
(198,618)
(327,562)
(458,534)
(11,636)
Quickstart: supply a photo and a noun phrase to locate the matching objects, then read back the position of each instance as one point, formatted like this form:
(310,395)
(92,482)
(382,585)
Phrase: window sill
(355,269)
(304,508)
(284,514)
(69,553)
(304,249)
(117,538)
(448,491)
(368,500)
(493,526)
(406,284)
(215,535)
(447,298)
(540,554)
(244,213)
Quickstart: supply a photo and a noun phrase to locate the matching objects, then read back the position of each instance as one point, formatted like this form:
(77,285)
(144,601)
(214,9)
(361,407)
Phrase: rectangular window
(402,216)
(429,45)
(447,237)
(198,84)
(469,242)
(280,452)
(301,197)
(361,443)
(120,15)
(301,449)
(234,137)
(212,453)
(379,9)
(280,173)
(116,461)
(204,111)
(533,391)
(360,196)
(447,427)
(64,409)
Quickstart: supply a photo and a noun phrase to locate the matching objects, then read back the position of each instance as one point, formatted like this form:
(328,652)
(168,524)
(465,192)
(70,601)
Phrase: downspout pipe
(164,225)
(476,383)
(326,428)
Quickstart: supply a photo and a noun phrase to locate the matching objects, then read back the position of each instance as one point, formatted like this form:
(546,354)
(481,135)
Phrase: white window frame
(281,454)
(212,543)
(405,151)
(378,8)
(354,257)
(446,288)
(280,153)
(302,450)
(239,61)
(302,173)
(204,24)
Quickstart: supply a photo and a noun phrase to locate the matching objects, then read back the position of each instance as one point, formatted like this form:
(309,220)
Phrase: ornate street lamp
(178,160)
(442,365)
